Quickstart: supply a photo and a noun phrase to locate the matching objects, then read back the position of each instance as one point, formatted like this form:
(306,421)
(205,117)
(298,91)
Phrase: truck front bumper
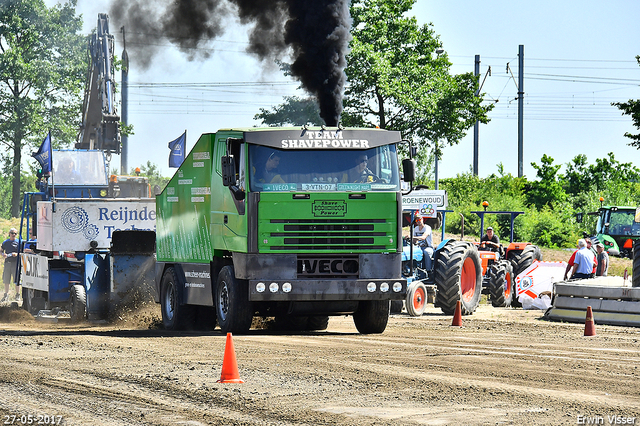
(317,290)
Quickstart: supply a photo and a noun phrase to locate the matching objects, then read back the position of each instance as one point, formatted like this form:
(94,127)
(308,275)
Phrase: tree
(631,108)
(397,80)
(582,177)
(547,191)
(152,171)
(294,111)
(578,178)
(42,74)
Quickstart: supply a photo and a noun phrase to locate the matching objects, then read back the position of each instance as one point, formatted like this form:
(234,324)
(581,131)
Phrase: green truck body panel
(198,218)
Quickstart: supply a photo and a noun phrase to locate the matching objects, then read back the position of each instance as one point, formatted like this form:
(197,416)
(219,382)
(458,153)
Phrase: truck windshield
(374,169)
(79,168)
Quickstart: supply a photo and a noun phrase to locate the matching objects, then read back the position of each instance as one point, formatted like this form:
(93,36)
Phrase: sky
(579,56)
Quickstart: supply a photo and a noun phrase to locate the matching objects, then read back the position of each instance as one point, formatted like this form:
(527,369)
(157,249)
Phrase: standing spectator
(573,258)
(583,263)
(603,261)
(9,250)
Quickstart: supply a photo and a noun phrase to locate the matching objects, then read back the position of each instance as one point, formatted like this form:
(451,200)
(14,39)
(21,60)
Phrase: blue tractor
(452,273)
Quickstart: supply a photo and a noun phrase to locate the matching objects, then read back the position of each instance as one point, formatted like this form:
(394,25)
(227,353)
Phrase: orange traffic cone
(589,325)
(457,316)
(229,364)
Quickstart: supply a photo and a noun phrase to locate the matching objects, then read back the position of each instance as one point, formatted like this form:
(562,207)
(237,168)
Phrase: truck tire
(233,308)
(458,276)
(372,316)
(501,284)
(27,295)
(522,261)
(396,306)
(175,314)
(78,303)
(318,323)
(416,299)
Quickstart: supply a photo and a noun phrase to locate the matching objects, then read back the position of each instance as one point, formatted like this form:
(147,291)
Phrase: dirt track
(504,367)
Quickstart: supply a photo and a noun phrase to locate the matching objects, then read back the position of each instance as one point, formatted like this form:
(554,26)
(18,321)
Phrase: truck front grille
(328,234)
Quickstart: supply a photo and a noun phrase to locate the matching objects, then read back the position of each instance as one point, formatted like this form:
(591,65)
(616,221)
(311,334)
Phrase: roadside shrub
(550,228)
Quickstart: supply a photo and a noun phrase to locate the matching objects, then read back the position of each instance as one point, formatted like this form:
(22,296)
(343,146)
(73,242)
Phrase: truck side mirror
(409,169)
(228,170)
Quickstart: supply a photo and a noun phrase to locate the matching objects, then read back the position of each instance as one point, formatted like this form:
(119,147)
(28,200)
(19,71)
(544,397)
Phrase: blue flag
(44,154)
(177,147)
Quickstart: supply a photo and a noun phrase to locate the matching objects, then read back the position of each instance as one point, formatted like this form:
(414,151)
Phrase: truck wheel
(233,308)
(318,323)
(522,261)
(175,315)
(458,275)
(372,316)
(78,303)
(501,284)
(396,306)
(416,299)
(27,295)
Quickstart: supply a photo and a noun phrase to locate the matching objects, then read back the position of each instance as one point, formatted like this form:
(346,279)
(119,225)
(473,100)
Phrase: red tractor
(500,265)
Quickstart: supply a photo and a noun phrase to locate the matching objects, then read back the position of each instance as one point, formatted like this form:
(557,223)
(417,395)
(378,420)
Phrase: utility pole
(476,127)
(124,167)
(520,108)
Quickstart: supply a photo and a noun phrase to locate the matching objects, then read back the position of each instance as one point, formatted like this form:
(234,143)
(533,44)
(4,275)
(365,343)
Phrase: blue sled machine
(90,252)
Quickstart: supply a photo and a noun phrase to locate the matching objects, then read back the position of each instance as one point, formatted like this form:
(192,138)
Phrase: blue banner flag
(44,155)
(177,147)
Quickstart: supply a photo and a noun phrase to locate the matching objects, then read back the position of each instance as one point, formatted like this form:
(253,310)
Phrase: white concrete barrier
(612,300)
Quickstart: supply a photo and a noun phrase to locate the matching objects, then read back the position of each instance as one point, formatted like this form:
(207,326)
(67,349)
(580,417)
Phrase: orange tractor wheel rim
(507,286)
(468,279)
(419,299)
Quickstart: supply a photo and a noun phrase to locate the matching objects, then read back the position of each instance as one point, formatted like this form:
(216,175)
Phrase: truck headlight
(371,287)
(273,287)
(397,287)
(286,287)
(260,287)
(384,287)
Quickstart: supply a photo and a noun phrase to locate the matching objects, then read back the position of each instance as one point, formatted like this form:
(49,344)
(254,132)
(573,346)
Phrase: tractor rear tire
(501,284)
(458,276)
(416,299)
(372,316)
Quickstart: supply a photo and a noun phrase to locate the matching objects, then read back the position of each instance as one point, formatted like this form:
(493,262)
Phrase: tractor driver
(490,240)
(422,236)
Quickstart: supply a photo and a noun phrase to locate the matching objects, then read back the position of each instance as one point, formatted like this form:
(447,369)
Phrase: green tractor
(617,228)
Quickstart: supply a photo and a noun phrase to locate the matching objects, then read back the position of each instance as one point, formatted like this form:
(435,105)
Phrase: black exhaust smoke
(315,32)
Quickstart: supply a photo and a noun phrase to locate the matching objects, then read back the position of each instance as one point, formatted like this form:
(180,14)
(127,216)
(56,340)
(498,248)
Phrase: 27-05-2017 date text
(31,419)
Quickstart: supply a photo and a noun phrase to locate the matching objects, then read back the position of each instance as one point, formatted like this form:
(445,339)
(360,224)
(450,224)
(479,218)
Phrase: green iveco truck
(296,224)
